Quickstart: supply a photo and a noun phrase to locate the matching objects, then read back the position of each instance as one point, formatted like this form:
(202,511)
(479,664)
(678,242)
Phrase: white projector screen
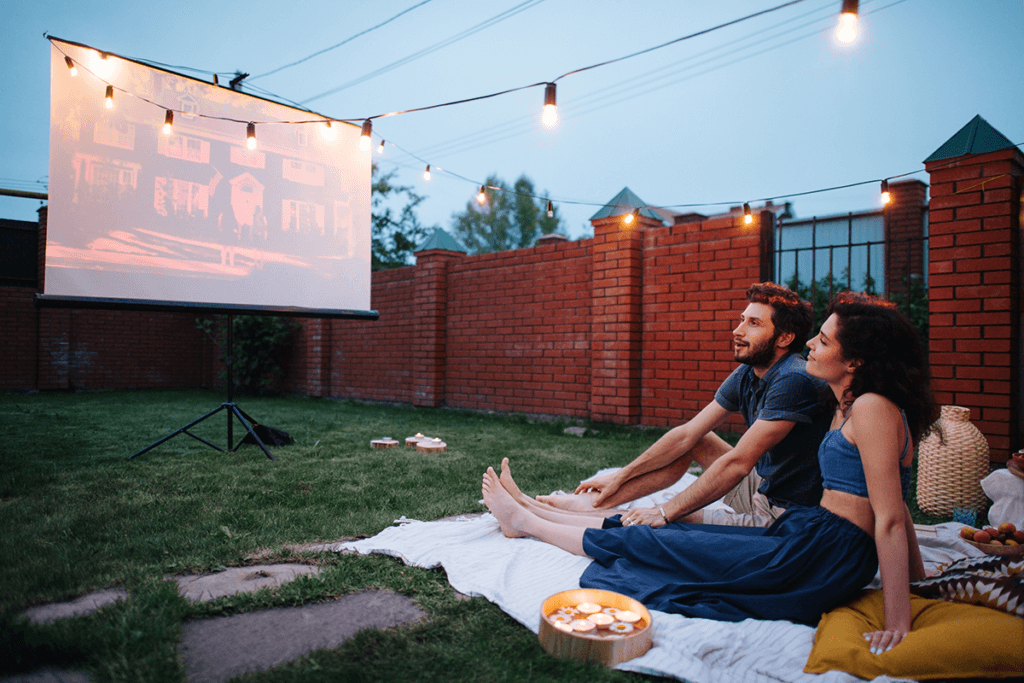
(194,218)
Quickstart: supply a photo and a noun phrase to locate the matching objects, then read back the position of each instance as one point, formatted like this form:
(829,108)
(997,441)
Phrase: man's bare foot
(508,512)
(572,502)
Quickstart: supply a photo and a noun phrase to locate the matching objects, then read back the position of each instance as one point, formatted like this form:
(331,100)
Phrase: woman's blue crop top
(841,468)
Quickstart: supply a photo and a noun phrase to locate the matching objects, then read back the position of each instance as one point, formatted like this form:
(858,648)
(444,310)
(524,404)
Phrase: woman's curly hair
(893,361)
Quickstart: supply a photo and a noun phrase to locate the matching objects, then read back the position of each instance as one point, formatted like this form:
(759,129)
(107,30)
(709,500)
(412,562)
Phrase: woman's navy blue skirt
(806,563)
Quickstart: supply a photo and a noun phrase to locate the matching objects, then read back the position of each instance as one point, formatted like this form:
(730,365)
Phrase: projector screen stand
(232,409)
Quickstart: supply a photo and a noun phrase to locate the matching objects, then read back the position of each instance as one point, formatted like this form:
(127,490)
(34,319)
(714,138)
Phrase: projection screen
(194,218)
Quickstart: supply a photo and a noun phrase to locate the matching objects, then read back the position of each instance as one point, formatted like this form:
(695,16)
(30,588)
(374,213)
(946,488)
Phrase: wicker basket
(950,468)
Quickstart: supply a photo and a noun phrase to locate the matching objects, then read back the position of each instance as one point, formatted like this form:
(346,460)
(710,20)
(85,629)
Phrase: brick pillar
(617,279)
(974,291)
(904,228)
(318,348)
(429,321)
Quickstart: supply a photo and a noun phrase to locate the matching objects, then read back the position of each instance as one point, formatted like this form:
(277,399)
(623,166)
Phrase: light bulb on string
(886,197)
(216,81)
(481,197)
(168,122)
(72,69)
(426,173)
(102,65)
(328,132)
(250,135)
(380,147)
(551,209)
(847,30)
(748,218)
(108,98)
(630,217)
(550,115)
(364,136)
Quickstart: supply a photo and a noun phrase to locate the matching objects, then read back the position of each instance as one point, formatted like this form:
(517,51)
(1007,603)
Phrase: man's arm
(729,469)
(674,444)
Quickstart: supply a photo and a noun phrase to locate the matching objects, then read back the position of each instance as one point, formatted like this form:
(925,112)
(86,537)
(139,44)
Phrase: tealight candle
(628,616)
(583,625)
(601,619)
(588,607)
(564,627)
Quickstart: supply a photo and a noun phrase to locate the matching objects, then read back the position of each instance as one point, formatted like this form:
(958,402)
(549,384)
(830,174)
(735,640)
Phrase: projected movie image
(188,212)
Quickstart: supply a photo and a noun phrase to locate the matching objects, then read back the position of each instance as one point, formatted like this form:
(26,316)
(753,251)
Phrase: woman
(812,558)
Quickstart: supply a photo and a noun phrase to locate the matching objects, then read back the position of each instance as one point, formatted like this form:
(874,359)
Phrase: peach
(1007,528)
(982,537)
(968,533)
(1018,536)
(995,541)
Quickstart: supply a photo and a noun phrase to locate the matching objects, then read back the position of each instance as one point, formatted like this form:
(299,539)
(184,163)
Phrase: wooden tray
(594,648)
(997,549)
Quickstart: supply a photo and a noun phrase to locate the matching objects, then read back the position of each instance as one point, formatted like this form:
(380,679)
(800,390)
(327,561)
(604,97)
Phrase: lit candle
(628,616)
(583,625)
(601,620)
(588,607)
(564,627)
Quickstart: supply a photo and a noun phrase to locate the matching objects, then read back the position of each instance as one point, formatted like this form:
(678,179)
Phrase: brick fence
(631,326)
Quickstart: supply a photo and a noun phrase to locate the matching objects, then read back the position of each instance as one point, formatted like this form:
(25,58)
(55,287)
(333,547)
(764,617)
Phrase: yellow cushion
(947,640)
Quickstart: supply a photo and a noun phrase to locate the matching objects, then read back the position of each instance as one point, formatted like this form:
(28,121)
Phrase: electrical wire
(347,40)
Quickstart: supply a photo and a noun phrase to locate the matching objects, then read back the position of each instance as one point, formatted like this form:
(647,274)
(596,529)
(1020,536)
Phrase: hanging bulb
(630,217)
(748,218)
(328,132)
(550,115)
(250,135)
(108,99)
(216,81)
(102,66)
(168,122)
(886,197)
(847,30)
(481,197)
(551,209)
(426,173)
(380,148)
(364,137)
(71,66)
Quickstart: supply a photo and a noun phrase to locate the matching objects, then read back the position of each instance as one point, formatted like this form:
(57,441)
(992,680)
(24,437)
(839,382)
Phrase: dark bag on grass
(269,436)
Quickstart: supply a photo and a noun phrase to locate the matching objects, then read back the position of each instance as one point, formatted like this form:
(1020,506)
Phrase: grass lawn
(77,515)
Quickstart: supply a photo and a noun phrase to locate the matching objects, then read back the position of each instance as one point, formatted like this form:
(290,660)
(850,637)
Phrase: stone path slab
(49,676)
(201,588)
(215,650)
(87,604)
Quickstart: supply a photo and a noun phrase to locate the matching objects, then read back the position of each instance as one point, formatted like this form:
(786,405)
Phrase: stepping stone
(49,676)
(215,650)
(87,604)
(201,588)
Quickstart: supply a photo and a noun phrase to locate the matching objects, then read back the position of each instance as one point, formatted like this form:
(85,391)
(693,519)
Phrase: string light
(216,81)
(101,65)
(364,136)
(328,132)
(748,218)
(847,30)
(250,135)
(168,122)
(550,115)
(426,173)
(886,197)
(481,197)
(108,98)
(380,148)
(551,209)
(71,66)
(630,217)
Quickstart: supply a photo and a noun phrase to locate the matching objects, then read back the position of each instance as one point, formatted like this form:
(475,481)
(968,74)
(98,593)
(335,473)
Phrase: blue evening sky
(768,107)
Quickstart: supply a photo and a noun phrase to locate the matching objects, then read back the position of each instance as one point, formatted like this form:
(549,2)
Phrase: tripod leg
(241,417)
(222,406)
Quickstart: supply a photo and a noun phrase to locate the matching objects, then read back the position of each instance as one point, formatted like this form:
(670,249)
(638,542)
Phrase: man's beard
(758,356)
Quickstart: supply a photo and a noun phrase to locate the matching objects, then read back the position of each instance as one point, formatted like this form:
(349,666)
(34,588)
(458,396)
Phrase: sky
(766,107)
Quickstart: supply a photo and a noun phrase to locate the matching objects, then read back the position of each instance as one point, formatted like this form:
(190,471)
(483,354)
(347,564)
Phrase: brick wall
(975,308)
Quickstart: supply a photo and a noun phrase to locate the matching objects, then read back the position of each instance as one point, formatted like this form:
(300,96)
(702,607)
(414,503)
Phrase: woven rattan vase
(950,469)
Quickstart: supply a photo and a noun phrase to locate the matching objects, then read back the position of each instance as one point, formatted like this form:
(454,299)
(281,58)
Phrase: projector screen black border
(57,301)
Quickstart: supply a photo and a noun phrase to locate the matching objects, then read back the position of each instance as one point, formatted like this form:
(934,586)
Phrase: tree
(394,234)
(509,219)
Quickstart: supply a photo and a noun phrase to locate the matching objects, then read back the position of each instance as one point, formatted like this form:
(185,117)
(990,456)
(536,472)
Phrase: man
(775,463)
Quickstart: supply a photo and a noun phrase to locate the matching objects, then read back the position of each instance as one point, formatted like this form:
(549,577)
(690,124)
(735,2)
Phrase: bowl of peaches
(1006,539)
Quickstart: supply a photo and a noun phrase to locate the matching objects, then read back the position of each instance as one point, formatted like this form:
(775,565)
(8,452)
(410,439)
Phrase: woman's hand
(883,641)
(643,516)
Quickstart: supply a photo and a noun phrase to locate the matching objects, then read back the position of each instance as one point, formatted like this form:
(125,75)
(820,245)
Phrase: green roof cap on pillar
(623,203)
(441,240)
(977,137)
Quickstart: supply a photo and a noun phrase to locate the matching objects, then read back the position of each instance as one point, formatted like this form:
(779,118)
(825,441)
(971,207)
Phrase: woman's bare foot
(510,485)
(571,502)
(510,515)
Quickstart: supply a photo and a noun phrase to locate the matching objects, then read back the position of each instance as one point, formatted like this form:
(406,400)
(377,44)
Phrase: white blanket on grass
(519,574)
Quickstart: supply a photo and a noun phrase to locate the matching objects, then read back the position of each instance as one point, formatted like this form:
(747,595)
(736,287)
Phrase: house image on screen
(246,197)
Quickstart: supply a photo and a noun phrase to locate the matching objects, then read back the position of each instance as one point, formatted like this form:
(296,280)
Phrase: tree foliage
(259,342)
(511,218)
(395,233)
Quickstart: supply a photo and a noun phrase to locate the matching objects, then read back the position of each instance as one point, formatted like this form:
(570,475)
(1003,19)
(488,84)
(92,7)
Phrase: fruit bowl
(591,647)
(1003,550)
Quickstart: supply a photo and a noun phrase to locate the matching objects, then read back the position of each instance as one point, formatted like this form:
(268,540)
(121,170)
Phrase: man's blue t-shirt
(786,392)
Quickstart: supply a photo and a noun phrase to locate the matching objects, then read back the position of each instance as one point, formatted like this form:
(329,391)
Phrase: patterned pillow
(995,581)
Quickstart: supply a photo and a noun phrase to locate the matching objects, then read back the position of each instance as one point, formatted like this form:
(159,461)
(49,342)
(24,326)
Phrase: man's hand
(597,484)
(643,516)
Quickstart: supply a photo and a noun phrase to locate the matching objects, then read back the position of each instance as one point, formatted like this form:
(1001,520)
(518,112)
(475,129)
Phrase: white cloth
(519,574)
(1006,490)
